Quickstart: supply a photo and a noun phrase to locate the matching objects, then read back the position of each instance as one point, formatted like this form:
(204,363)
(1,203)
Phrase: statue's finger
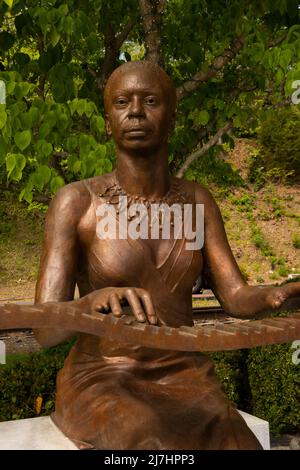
(135,305)
(103,307)
(115,305)
(292,289)
(149,308)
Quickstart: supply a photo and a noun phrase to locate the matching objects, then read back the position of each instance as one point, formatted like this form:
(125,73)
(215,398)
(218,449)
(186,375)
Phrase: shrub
(262,381)
(278,157)
(258,239)
(28,377)
(296,241)
(275,387)
(212,169)
(25,378)
(230,370)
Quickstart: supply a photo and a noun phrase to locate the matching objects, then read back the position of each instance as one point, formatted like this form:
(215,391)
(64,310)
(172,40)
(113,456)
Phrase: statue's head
(140,105)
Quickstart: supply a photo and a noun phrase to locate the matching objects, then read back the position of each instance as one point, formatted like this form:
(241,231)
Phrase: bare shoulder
(201,194)
(98,184)
(74,199)
(73,196)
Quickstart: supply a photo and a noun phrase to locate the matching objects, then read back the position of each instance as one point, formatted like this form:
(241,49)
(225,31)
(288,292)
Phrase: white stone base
(33,434)
(259,427)
(42,434)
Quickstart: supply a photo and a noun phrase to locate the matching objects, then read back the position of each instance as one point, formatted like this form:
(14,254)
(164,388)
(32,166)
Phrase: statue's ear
(107,126)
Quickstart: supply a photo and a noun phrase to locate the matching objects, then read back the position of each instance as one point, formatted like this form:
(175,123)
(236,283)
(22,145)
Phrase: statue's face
(138,109)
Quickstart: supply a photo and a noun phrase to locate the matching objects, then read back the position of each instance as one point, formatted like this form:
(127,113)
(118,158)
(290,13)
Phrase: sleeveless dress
(124,396)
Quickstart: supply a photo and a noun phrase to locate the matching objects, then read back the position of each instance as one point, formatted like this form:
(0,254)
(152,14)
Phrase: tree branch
(112,44)
(120,38)
(219,62)
(150,12)
(42,80)
(278,40)
(198,153)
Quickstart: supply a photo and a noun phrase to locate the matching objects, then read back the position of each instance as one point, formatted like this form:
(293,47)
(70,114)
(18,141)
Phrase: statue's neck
(144,175)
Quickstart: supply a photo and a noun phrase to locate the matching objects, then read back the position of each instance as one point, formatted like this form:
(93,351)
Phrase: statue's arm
(58,265)
(226,280)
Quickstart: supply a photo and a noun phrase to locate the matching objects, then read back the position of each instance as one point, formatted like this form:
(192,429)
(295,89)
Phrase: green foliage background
(278,157)
(55,56)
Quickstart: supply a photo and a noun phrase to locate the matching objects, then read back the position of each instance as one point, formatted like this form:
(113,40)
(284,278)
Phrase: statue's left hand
(276,296)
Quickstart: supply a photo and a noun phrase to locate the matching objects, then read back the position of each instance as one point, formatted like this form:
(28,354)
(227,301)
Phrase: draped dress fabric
(124,396)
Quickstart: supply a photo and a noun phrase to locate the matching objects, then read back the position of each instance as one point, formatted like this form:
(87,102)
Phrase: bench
(42,434)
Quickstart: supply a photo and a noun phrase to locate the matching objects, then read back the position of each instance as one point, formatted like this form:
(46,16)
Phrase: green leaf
(93,42)
(53,16)
(98,124)
(34,115)
(26,120)
(61,82)
(10,163)
(15,164)
(40,14)
(50,117)
(203,117)
(22,139)
(10,86)
(16,124)
(43,148)
(6,132)
(26,193)
(100,151)
(73,105)
(45,130)
(77,166)
(83,170)
(22,89)
(199,117)
(50,57)
(81,106)
(3,118)
(285,58)
(41,176)
(71,143)
(3,151)
(63,122)
(56,183)
(9,3)
(63,10)
(67,25)
(6,41)
(84,145)
(89,108)
(54,37)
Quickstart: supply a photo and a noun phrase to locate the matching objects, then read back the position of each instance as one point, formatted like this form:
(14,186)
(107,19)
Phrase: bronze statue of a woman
(124,396)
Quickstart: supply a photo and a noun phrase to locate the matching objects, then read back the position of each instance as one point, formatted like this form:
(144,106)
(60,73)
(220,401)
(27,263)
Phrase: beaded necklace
(175,195)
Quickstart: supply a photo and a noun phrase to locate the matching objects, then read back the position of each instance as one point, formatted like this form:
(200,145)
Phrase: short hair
(164,79)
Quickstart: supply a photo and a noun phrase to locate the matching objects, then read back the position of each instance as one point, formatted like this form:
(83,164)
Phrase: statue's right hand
(111,298)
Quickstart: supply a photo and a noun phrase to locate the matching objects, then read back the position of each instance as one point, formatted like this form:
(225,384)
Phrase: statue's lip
(136,129)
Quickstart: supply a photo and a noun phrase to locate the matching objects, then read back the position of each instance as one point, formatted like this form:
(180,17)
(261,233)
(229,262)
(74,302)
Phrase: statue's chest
(120,253)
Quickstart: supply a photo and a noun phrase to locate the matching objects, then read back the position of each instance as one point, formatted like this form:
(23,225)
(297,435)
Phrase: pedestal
(42,434)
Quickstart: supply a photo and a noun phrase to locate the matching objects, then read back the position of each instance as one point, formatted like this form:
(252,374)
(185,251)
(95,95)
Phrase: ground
(263,228)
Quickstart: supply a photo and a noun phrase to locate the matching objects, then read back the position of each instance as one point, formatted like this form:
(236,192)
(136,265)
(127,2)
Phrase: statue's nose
(136,107)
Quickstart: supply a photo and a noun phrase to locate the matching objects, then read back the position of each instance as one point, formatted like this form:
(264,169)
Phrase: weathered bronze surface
(115,394)
(207,337)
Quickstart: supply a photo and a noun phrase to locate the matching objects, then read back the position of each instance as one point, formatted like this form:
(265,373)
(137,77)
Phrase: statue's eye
(151,100)
(121,101)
